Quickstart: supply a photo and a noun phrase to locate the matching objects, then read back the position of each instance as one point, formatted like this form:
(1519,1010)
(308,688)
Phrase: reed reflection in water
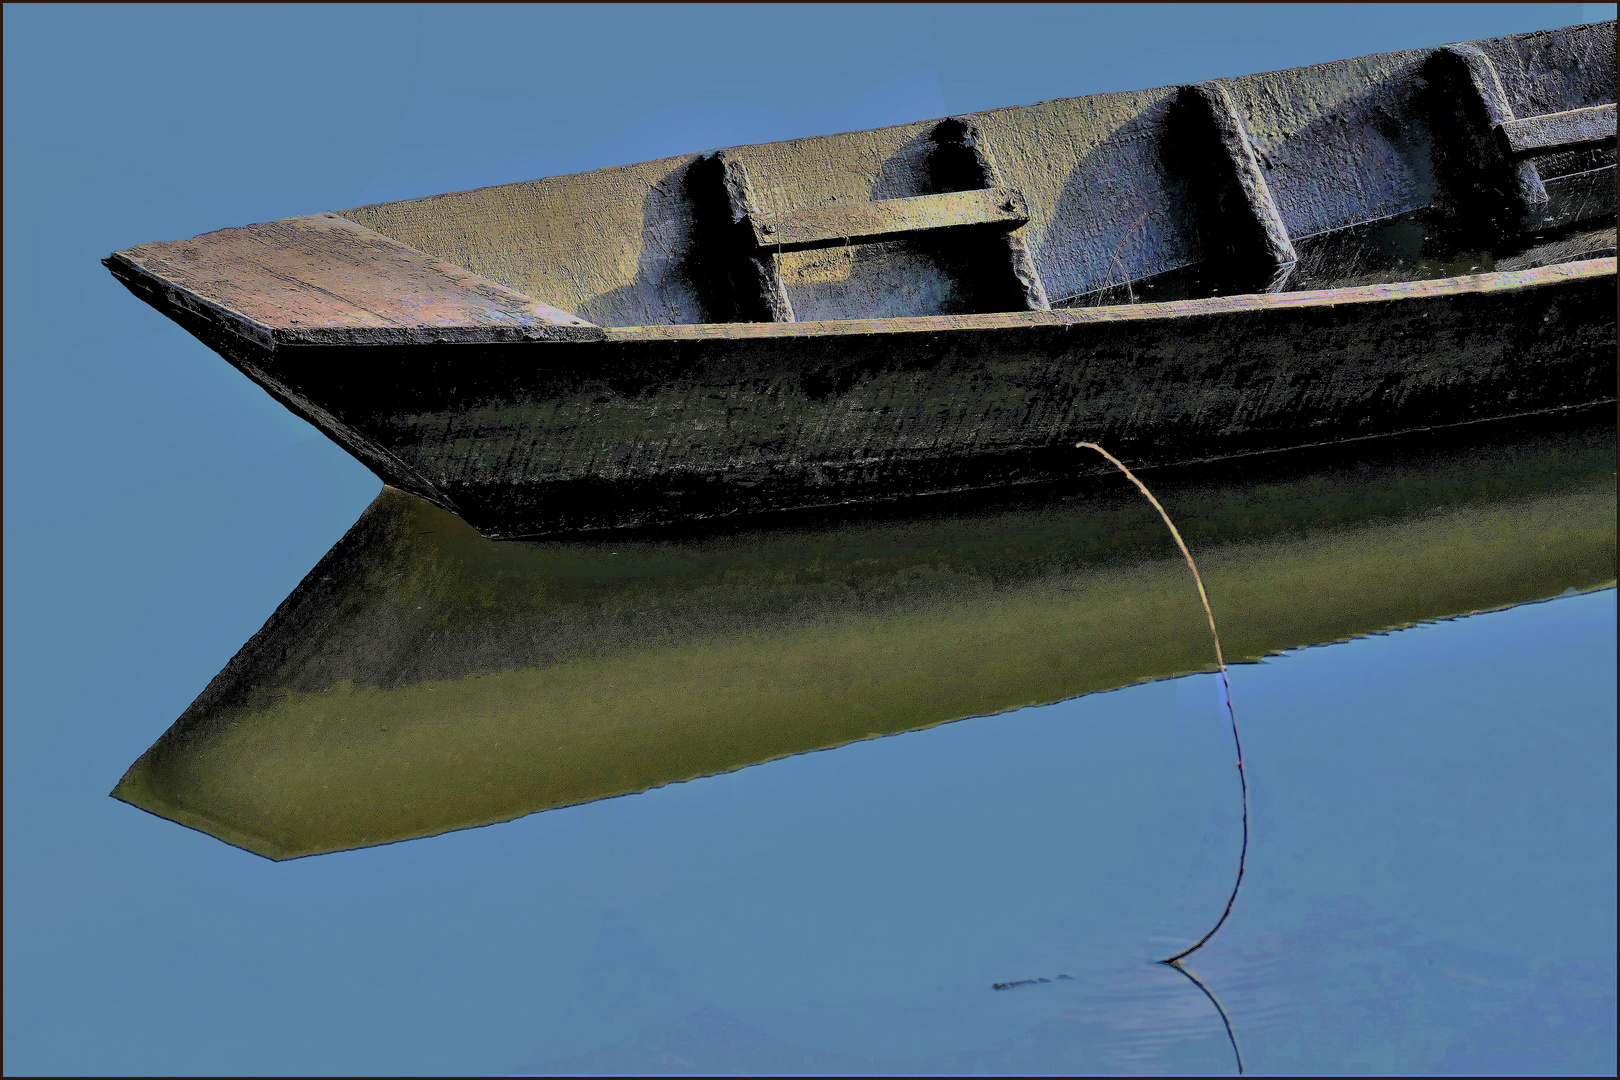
(1431,885)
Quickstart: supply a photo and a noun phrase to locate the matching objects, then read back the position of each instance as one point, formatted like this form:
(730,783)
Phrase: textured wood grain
(1559,129)
(1338,144)
(1503,283)
(323,272)
(672,424)
(920,213)
(916,365)
(610,245)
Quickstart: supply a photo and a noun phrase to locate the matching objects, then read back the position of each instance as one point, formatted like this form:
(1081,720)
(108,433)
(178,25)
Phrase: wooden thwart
(1541,202)
(1555,131)
(824,226)
(978,208)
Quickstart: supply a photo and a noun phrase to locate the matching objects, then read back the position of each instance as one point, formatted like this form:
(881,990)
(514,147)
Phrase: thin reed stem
(1226,686)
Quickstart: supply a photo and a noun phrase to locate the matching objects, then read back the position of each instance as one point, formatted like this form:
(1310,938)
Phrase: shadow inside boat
(423,679)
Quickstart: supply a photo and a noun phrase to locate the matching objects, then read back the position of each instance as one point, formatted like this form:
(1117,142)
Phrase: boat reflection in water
(423,679)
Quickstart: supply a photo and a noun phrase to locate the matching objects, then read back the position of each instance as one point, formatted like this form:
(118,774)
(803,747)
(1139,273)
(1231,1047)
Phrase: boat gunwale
(249,329)
(1246,303)
(1425,288)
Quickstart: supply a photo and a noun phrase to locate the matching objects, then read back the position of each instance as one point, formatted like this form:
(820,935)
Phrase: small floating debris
(1029,982)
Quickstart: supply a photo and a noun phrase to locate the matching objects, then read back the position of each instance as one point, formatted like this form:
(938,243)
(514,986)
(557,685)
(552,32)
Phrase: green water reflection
(423,679)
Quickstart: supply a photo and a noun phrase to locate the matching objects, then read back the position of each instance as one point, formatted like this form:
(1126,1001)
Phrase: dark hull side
(648,425)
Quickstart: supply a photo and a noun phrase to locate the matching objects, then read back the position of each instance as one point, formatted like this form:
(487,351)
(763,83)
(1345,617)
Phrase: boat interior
(1491,155)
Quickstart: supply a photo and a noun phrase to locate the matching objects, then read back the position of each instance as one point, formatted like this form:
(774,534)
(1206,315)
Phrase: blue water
(1431,888)
(1432,884)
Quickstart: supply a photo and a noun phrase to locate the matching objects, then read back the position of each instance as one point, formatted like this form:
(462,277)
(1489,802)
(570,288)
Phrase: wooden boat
(1353,249)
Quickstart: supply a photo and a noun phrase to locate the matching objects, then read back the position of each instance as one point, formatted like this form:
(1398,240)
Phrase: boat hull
(638,426)
(950,305)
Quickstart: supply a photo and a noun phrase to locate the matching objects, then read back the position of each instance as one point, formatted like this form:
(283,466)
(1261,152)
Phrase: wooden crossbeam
(888,218)
(1557,130)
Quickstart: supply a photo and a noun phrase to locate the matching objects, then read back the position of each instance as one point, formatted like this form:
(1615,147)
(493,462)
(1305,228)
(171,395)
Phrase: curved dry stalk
(1226,686)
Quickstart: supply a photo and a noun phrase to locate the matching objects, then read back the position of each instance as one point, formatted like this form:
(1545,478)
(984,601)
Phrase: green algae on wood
(424,679)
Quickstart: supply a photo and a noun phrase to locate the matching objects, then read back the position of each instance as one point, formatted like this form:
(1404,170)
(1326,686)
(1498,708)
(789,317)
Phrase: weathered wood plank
(889,218)
(676,425)
(1502,283)
(1557,130)
(1245,171)
(1580,197)
(325,273)
(762,269)
(1020,261)
(1486,85)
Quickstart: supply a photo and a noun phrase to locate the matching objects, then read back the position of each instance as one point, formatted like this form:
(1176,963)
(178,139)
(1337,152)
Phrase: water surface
(1431,885)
